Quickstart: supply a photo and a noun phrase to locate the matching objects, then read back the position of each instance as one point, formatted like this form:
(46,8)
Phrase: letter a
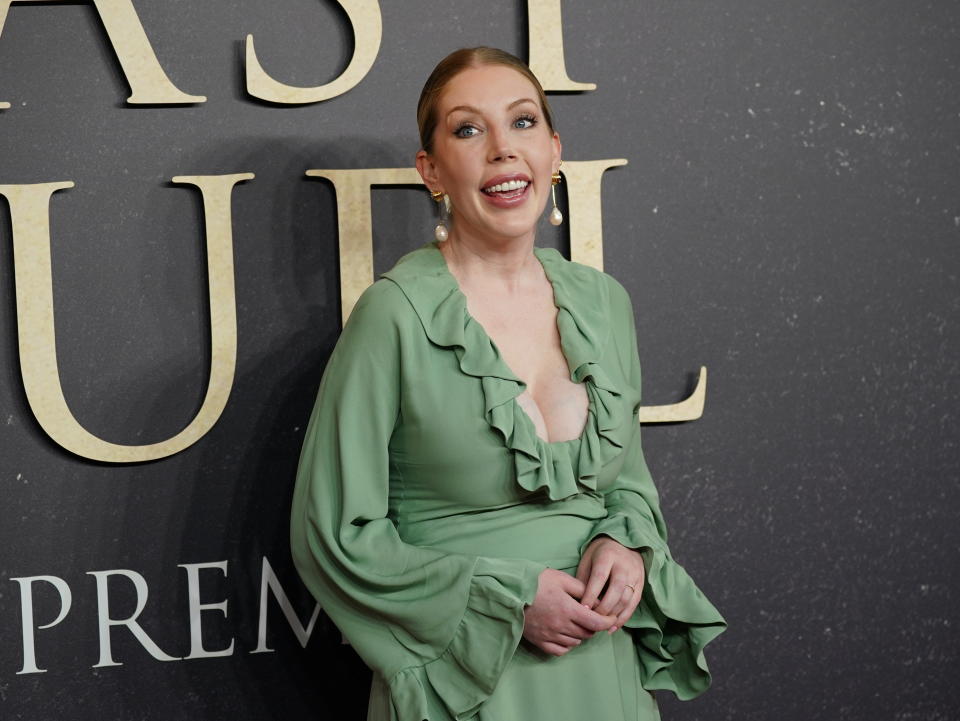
(30,220)
(148,82)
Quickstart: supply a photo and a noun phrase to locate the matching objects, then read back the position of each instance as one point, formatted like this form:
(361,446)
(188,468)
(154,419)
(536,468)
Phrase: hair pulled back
(455,63)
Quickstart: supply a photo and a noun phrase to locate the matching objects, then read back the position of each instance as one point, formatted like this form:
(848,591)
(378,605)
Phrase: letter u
(30,220)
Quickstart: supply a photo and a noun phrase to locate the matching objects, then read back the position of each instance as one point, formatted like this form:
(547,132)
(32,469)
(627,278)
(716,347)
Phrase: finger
(618,607)
(572,586)
(554,649)
(599,573)
(613,598)
(580,621)
(613,601)
(631,606)
(575,630)
(562,639)
(583,568)
(592,620)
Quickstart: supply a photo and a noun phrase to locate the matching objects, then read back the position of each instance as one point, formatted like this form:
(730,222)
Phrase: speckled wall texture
(789,217)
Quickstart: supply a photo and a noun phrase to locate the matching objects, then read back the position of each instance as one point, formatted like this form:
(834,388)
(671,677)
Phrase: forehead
(487,88)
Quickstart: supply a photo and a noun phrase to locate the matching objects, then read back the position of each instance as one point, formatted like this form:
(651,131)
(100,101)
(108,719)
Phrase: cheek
(456,170)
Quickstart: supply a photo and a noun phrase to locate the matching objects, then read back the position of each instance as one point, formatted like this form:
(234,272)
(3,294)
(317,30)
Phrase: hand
(620,569)
(556,621)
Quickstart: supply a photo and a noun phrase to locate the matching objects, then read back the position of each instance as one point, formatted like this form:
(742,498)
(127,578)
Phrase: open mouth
(509,189)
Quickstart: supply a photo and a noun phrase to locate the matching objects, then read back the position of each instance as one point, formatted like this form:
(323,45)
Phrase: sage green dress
(426,507)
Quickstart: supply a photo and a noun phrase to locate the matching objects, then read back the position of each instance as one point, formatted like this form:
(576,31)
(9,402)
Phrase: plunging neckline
(553,287)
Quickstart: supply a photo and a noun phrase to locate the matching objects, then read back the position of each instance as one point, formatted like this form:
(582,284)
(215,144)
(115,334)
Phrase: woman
(472,507)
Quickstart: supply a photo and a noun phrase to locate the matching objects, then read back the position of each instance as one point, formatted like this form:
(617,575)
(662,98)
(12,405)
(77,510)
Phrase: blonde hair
(455,63)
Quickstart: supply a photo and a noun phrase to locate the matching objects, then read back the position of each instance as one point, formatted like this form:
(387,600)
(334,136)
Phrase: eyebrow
(470,108)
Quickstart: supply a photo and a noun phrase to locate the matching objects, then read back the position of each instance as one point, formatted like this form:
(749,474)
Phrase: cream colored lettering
(148,82)
(585,208)
(355,223)
(30,221)
(546,58)
(584,201)
(689,409)
(367,27)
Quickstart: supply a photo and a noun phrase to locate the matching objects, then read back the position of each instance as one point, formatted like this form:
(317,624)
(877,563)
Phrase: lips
(507,191)
(512,184)
(507,187)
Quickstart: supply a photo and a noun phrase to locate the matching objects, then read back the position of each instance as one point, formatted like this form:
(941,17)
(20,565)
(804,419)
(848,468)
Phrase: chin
(515,229)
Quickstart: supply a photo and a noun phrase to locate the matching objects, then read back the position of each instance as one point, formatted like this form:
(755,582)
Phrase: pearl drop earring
(443,200)
(556,217)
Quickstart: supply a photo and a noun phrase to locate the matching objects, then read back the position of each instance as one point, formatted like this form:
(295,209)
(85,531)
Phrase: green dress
(426,507)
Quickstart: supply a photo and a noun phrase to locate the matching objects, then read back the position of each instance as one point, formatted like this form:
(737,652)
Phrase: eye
(525,121)
(466,131)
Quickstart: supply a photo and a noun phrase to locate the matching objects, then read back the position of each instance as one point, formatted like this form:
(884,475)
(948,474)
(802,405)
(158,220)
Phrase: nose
(500,146)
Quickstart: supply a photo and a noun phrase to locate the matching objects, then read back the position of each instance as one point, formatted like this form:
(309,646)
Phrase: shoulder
(381,313)
(586,283)
(381,298)
(620,301)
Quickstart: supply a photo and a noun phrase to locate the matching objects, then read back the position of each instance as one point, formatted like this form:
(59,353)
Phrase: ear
(428,171)
(556,154)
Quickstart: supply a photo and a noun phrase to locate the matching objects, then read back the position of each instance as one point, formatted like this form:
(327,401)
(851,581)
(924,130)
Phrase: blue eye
(464,131)
(524,122)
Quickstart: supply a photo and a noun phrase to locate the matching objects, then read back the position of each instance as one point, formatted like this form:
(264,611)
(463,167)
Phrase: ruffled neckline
(582,298)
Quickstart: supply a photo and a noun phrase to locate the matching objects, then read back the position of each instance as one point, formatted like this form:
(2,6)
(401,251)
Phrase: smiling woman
(493,151)
(472,506)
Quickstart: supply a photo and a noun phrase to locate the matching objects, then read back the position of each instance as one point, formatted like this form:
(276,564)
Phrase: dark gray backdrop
(790,218)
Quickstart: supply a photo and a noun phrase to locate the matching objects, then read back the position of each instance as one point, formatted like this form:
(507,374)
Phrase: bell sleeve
(674,620)
(439,628)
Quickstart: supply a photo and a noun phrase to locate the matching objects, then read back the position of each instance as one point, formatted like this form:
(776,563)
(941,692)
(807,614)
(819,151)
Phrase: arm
(674,620)
(409,611)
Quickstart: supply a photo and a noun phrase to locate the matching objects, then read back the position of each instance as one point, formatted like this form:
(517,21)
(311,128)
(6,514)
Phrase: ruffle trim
(582,297)
(467,672)
(674,621)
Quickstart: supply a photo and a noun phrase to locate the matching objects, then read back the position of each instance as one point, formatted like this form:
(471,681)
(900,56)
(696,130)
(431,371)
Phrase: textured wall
(790,218)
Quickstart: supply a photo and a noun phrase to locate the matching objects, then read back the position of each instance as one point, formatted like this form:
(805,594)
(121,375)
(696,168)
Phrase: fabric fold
(466,673)
(674,622)
(584,330)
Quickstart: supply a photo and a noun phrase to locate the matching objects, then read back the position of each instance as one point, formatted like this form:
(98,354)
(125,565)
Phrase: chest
(524,330)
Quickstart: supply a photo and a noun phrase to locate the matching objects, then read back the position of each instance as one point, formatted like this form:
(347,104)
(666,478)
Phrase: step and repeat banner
(195,194)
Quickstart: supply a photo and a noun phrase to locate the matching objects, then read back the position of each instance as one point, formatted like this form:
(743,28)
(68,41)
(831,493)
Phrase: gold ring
(630,587)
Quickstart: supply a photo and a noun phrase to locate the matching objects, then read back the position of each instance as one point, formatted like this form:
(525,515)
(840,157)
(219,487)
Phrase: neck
(509,262)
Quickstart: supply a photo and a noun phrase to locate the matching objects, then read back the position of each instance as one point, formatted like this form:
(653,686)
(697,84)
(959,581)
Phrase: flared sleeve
(434,625)
(674,621)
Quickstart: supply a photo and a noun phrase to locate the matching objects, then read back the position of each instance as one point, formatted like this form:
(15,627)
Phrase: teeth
(508,186)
